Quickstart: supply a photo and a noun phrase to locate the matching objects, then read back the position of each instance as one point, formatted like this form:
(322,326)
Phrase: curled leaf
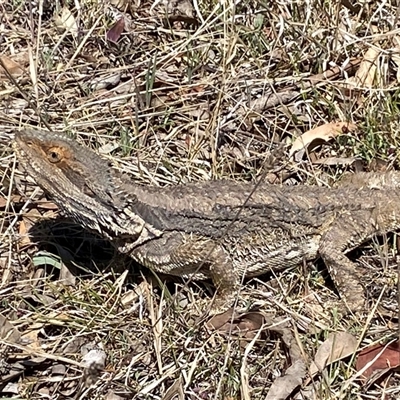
(324,132)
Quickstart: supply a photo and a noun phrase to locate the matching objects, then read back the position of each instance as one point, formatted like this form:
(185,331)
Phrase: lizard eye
(53,156)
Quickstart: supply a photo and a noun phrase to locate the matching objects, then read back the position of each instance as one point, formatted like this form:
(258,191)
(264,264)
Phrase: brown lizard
(215,229)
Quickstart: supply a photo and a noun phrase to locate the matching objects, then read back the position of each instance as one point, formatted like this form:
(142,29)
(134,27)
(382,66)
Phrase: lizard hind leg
(346,233)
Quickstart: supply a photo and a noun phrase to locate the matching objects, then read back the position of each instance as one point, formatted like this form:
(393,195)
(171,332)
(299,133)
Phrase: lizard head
(80,182)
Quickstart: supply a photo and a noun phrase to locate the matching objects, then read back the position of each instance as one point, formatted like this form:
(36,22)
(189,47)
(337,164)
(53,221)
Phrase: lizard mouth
(23,154)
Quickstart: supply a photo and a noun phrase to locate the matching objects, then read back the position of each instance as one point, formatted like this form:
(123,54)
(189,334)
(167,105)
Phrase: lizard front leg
(189,255)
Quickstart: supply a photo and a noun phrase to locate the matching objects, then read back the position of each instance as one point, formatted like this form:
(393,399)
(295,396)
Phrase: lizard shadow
(85,253)
(82,251)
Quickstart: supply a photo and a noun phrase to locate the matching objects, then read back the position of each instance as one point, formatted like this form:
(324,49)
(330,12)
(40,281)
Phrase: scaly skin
(213,229)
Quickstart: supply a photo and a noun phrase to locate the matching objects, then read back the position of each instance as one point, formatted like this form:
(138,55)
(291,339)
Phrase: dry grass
(188,93)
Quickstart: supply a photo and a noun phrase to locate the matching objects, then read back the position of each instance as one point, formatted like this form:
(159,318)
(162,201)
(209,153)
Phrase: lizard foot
(222,302)
(217,305)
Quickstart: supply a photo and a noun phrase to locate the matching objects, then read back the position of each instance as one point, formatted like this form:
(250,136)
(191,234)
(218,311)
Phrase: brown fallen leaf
(218,322)
(13,68)
(8,331)
(10,372)
(116,30)
(321,133)
(382,357)
(24,227)
(338,346)
(367,73)
(65,20)
(31,336)
(246,325)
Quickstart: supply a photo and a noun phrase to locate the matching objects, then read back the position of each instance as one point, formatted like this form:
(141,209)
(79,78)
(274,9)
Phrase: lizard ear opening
(54,155)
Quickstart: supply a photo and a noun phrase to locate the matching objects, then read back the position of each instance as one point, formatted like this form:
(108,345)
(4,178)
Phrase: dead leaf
(138,297)
(14,199)
(251,321)
(66,21)
(294,375)
(8,331)
(335,161)
(218,321)
(39,298)
(24,226)
(338,346)
(246,325)
(379,165)
(93,362)
(367,73)
(13,68)
(175,391)
(10,373)
(67,277)
(383,358)
(324,132)
(116,30)
(31,336)
(32,215)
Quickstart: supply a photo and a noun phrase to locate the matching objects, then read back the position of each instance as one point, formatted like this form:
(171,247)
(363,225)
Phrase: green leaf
(46,258)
